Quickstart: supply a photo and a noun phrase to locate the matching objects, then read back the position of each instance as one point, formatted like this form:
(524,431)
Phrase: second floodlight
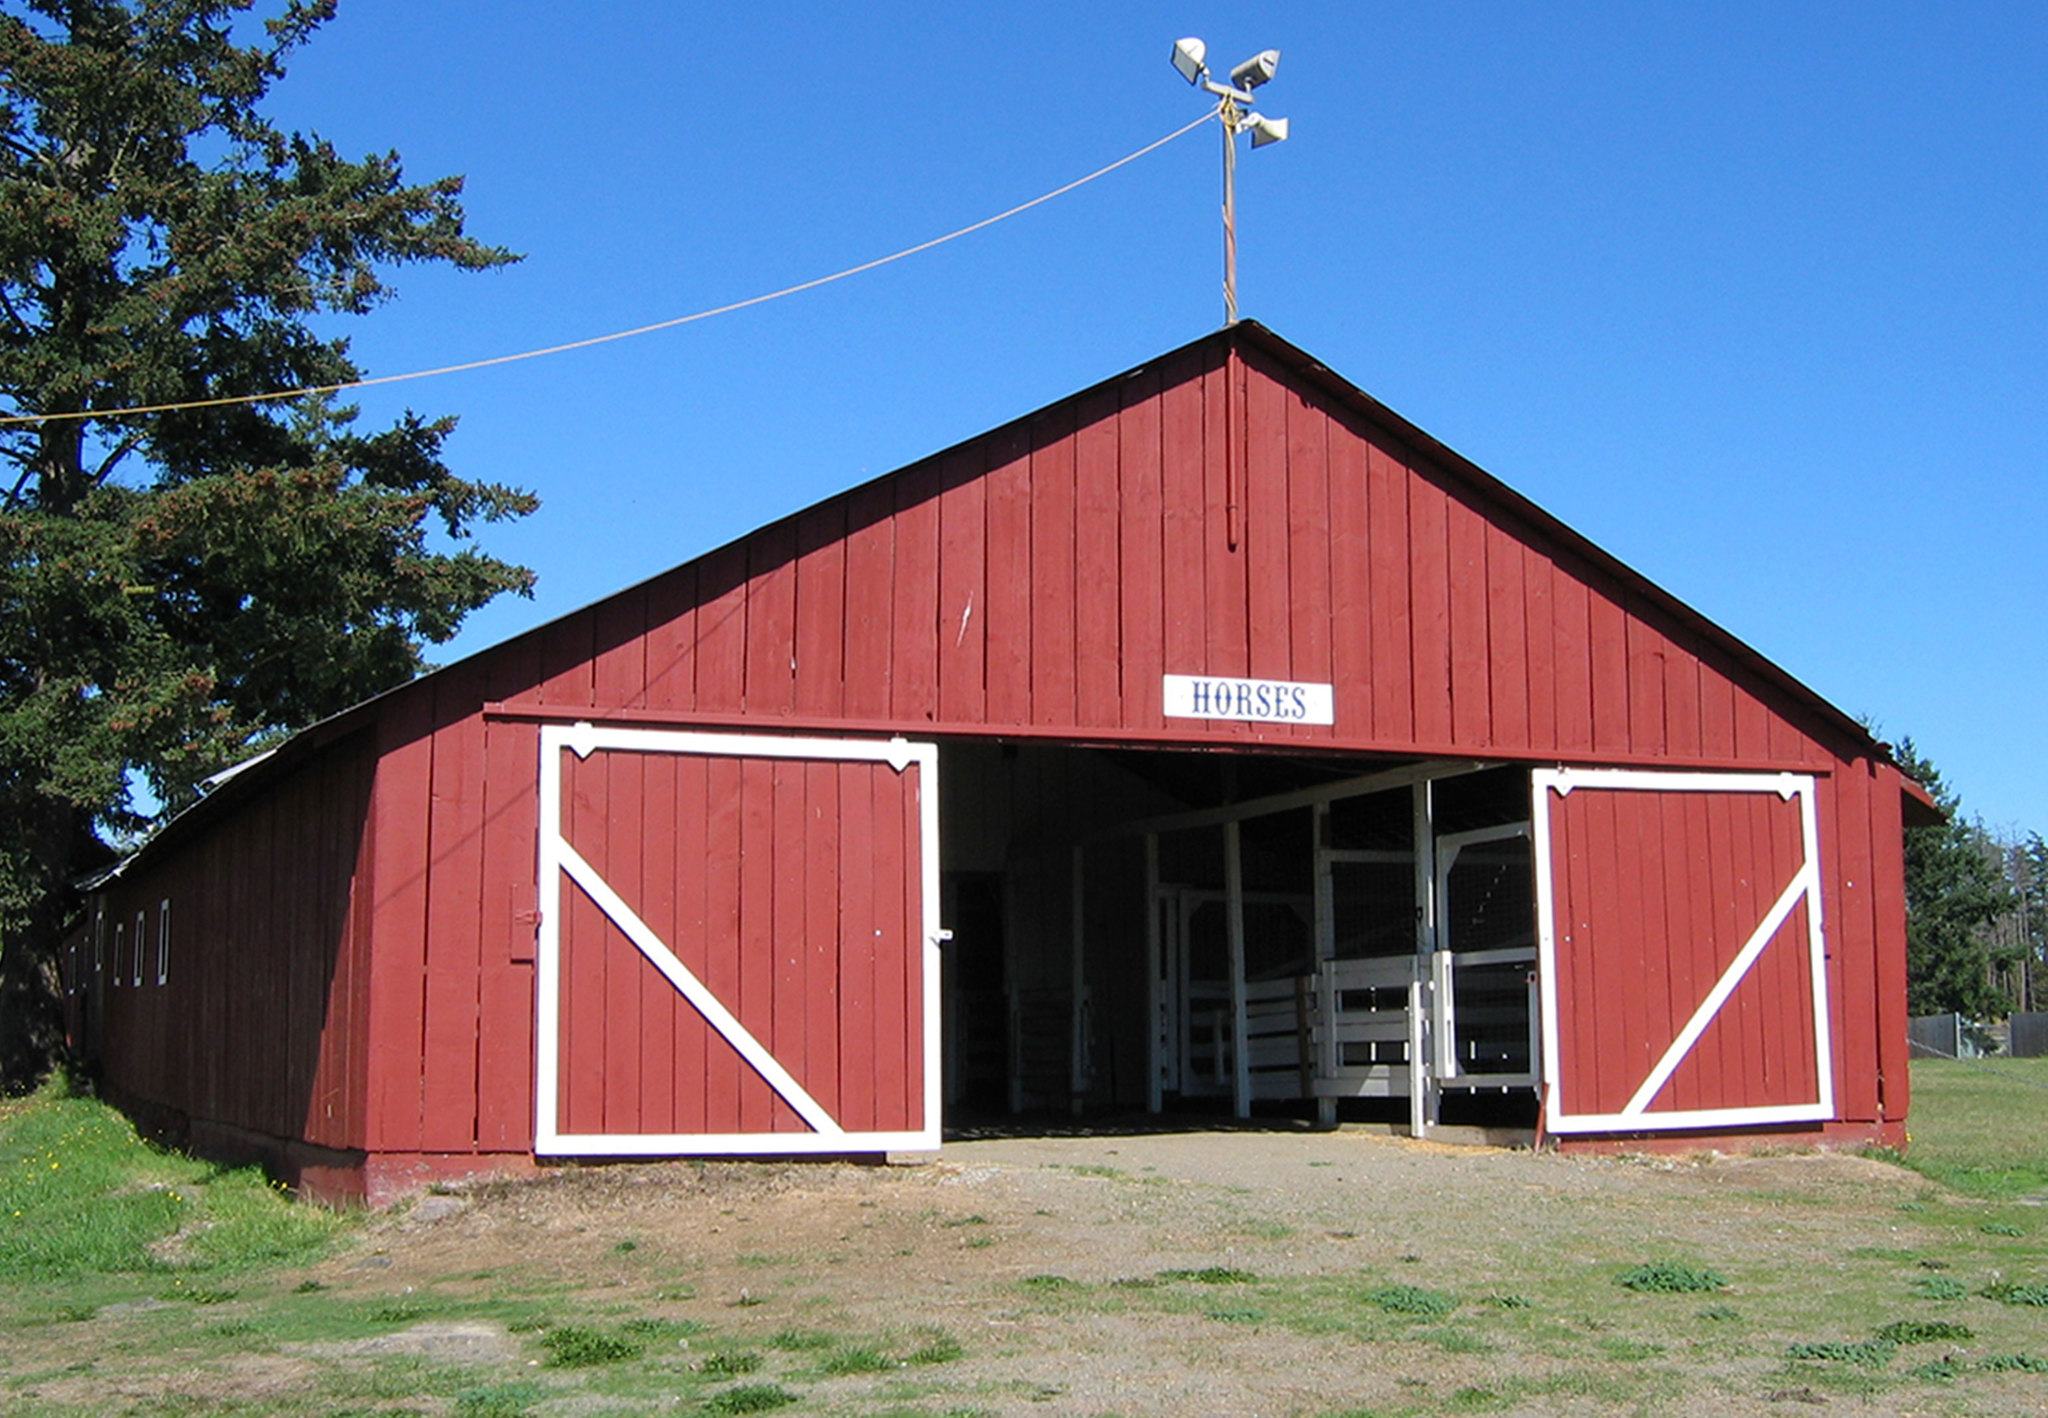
(1257,70)
(1191,58)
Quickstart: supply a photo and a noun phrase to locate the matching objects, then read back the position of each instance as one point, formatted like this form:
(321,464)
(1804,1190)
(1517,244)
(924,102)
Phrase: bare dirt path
(1272,1272)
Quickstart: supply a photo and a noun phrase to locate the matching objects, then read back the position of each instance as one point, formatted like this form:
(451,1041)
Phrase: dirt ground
(1043,1258)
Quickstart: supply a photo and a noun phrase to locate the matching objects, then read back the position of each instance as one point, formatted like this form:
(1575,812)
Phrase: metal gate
(738,945)
(1681,957)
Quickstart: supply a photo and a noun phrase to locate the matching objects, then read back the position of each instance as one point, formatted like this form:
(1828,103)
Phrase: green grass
(1981,1126)
(1411,1300)
(81,1194)
(750,1398)
(1211,1275)
(1670,1277)
(572,1346)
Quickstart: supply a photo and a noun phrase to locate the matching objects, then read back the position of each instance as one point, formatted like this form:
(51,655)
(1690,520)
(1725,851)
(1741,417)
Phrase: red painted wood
(1181,473)
(1470,611)
(963,599)
(1141,539)
(1390,634)
(693,941)
(722,629)
(1052,569)
(615,843)
(1646,653)
(891,951)
(726,1077)
(819,939)
(1094,592)
(760,956)
(1269,621)
(1351,613)
(1429,609)
(1638,968)
(1507,640)
(1607,635)
(789,1036)
(1888,944)
(1223,548)
(820,673)
(771,620)
(672,640)
(1572,639)
(1309,544)
(659,830)
(509,923)
(1539,637)
(870,577)
(1849,906)
(914,692)
(454,909)
(905,864)
(398,894)
(857,945)
(1007,592)
(587,946)
(568,660)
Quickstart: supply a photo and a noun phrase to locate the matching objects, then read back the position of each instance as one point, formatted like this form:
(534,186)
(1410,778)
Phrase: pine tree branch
(113,459)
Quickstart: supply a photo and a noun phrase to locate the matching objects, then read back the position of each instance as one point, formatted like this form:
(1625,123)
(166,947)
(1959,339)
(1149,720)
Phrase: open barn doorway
(1148,933)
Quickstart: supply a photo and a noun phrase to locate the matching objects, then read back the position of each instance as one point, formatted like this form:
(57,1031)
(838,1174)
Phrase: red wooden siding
(1656,893)
(791,889)
(259,1025)
(1049,574)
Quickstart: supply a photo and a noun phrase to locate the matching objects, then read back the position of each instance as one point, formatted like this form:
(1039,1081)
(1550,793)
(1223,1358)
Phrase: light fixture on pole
(1234,102)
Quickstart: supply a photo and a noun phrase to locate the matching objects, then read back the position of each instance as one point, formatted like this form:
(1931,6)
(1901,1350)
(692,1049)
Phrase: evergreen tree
(1954,890)
(178,587)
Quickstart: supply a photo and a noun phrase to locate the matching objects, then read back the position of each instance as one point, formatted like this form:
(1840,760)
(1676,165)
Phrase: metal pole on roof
(1227,113)
(1234,113)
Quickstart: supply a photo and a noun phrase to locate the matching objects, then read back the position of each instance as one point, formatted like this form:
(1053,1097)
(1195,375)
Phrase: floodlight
(1266,130)
(1190,56)
(1258,69)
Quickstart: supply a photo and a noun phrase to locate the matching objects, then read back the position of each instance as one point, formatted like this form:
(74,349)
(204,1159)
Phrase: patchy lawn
(1278,1271)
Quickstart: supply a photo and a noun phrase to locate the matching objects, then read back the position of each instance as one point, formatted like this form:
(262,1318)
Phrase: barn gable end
(1231,509)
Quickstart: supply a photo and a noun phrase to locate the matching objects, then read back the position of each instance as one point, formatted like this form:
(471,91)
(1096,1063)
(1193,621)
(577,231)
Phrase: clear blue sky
(1756,297)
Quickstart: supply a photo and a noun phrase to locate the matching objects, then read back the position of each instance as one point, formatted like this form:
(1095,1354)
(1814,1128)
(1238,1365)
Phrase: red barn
(1211,738)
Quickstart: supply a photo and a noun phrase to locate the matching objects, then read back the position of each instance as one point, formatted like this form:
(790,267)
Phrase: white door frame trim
(558,859)
(1805,885)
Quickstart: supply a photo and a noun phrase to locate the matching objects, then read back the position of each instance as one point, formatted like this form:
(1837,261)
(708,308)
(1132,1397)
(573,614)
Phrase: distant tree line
(1976,910)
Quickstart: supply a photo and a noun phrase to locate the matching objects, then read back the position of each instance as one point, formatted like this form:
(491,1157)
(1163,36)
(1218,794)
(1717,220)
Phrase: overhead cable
(277,395)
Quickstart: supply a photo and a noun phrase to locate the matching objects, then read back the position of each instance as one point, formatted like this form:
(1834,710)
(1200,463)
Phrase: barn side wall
(252,1047)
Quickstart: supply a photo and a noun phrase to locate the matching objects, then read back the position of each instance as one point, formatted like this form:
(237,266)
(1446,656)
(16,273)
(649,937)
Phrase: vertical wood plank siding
(1215,513)
(259,1024)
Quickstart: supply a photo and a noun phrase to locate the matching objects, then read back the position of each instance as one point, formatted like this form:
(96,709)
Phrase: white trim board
(559,860)
(1804,887)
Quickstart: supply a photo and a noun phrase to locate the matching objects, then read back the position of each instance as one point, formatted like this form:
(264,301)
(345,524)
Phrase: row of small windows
(131,962)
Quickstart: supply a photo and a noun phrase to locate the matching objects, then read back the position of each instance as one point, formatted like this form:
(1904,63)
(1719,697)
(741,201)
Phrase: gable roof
(1470,480)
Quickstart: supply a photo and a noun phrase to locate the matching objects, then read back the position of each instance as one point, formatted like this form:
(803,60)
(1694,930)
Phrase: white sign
(1262,701)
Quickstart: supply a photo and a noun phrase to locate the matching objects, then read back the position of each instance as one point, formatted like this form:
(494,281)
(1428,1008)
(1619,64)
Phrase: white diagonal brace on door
(691,988)
(1802,882)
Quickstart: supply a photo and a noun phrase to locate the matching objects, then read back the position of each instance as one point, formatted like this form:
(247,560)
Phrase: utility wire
(638,330)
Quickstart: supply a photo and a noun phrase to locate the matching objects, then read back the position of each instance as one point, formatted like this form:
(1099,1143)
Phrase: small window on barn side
(117,953)
(163,941)
(99,939)
(140,937)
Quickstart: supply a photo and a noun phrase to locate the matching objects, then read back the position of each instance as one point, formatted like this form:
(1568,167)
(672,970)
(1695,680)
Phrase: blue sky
(1756,297)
